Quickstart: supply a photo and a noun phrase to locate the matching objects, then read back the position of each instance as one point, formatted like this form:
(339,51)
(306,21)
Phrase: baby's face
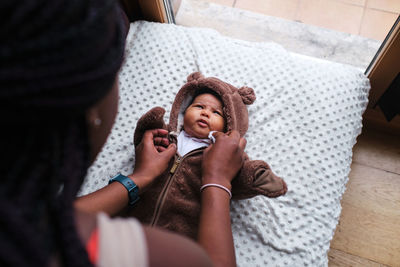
(205,114)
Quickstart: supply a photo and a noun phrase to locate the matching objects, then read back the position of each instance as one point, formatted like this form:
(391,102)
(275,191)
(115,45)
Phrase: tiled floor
(368,18)
(297,37)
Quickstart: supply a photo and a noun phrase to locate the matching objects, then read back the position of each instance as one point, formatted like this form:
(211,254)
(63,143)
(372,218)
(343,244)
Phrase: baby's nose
(205,112)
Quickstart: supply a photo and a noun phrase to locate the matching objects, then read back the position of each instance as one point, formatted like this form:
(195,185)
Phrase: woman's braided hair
(57,58)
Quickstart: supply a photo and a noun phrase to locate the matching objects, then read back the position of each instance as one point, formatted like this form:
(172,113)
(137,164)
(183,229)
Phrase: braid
(18,236)
(22,205)
(68,50)
(57,58)
(74,163)
(23,228)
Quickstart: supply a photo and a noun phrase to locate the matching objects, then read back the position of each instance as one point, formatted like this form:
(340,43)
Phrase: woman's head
(204,114)
(58,63)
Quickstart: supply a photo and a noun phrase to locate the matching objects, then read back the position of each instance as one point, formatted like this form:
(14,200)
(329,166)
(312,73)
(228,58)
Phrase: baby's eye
(218,113)
(198,106)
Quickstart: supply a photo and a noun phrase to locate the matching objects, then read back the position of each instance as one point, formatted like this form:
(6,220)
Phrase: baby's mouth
(202,123)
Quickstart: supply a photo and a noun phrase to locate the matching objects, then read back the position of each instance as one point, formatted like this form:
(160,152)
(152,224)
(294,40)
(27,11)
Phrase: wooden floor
(368,233)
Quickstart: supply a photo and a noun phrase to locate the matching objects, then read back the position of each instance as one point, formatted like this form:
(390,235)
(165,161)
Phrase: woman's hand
(150,163)
(152,157)
(223,159)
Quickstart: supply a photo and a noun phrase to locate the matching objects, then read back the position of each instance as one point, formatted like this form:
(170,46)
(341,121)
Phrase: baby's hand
(160,140)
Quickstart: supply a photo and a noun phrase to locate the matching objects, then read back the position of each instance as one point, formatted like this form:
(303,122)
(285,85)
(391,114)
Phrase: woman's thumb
(170,151)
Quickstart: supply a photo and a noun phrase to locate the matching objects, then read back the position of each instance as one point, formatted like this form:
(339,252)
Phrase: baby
(203,105)
(201,118)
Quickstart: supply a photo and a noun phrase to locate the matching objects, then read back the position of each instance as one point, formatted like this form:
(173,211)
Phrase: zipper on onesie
(175,166)
(164,191)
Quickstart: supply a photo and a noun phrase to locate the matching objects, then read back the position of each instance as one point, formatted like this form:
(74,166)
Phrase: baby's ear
(247,94)
(194,76)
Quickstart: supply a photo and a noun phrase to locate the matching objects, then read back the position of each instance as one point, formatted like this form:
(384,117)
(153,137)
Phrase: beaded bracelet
(216,185)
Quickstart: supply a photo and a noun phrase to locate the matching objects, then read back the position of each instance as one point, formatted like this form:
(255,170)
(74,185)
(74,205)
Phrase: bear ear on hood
(194,76)
(247,94)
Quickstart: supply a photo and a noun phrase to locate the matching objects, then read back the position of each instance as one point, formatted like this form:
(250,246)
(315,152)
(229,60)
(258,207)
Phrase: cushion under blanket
(304,123)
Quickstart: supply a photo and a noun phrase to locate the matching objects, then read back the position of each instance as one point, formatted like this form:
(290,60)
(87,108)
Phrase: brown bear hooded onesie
(173,200)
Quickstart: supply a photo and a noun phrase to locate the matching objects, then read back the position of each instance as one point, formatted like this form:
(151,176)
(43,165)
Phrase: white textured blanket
(304,123)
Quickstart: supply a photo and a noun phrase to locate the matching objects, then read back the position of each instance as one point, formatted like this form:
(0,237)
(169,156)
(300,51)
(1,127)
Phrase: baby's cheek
(219,125)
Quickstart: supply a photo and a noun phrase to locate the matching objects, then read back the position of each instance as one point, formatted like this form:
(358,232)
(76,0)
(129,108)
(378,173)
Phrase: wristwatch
(133,189)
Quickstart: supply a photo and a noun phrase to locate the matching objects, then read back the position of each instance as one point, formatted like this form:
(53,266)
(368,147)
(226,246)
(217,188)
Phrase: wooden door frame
(154,10)
(381,72)
(385,66)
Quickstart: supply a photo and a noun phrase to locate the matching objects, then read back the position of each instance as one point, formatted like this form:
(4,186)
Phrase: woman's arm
(221,162)
(169,249)
(149,163)
(215,234)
